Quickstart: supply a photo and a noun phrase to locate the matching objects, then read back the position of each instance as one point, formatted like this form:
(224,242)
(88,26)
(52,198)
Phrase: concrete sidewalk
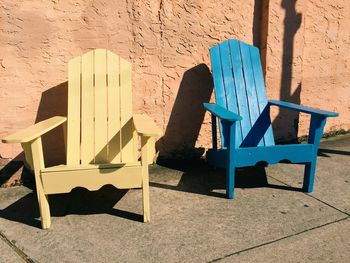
(269,220)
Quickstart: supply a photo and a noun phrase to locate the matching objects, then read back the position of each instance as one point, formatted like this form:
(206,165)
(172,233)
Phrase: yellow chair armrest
(34,131)
(145,126)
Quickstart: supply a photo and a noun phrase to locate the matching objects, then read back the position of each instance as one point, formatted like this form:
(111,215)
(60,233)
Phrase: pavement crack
(18,251)
(278,239)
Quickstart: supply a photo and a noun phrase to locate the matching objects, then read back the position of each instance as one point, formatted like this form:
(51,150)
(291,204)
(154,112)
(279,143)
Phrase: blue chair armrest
(221,112)
(301,108)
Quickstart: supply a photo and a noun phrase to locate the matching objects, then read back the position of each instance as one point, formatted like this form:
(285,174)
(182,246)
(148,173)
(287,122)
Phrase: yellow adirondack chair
(101,134)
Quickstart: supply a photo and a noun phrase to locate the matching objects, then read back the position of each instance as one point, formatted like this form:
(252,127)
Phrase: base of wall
(14,173)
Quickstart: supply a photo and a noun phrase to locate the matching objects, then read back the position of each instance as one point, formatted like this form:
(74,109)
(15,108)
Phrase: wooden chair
(101,134)
(244,117)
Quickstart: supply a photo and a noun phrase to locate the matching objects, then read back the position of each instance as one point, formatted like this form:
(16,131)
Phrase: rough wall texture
(307,59)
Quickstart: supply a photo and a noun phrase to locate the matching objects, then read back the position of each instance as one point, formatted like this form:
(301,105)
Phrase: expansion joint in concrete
(279,239)
(17,250)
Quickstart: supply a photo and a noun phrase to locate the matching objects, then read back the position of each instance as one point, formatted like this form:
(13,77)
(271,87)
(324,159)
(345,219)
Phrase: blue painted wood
(221,112)
(302,108)
(217,158)
(219,90)
(242,108)
(261,94)
(231,169)
(260,127)
(241,94)
(250,90)
(214,132)
(317,124)
(251,156)
(230,89)
(296,153)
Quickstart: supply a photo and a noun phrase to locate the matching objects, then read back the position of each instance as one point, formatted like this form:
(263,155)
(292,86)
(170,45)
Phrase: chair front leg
(317,124)
(214,132)
(146,143)
(231,168)
(38,164)
(28,155)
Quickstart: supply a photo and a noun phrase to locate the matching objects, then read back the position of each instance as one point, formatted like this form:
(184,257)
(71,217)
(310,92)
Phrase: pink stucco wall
(313,68)
(307,59)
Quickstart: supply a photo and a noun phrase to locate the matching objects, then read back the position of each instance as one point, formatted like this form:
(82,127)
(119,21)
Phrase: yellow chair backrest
(100,128)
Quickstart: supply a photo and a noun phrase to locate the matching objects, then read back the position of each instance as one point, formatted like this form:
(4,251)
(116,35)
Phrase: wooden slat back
(261,92)
(114,135)
(239,87)
(220,94)
(73,120)
(128,133)
(242,101)
(87,109)
(100,69)
(100,128)
(230,94)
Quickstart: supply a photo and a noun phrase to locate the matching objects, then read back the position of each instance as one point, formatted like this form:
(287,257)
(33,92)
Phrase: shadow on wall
(285,118)
(287,122)
(260,29)
(258,17)
(186,116)
(178,141)
(53,102)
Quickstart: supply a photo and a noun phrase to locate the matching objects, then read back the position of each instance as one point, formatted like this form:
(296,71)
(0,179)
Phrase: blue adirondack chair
(244,117)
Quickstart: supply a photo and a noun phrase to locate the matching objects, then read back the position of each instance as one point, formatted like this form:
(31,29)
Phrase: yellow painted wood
(151,150)
(61,168)
(135,140)
(144,125)
(73,123)
(113,89)
(64,127)
(38,164)
(28,154)
(100,106)
(94,179)
(145,178)
(128,154)
(35,130)
(87,108)
(100,134)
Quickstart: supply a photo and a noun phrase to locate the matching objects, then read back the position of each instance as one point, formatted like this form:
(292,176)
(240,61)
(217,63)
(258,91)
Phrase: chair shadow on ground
(323,152)
(12,168)
(200,178)
(79,201)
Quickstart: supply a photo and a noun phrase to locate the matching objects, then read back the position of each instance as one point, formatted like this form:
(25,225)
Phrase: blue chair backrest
(239,87)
